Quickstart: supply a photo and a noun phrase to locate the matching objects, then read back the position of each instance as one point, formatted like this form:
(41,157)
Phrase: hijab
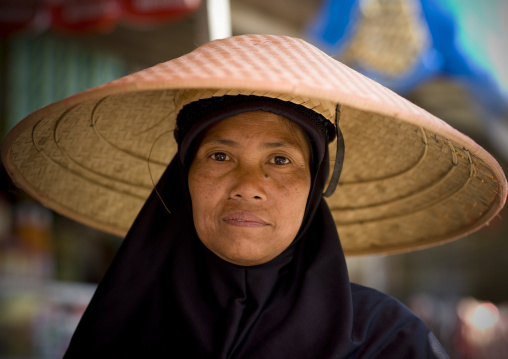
(167,295)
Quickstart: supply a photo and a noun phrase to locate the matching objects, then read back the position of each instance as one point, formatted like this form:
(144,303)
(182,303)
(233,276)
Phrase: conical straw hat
(409,179)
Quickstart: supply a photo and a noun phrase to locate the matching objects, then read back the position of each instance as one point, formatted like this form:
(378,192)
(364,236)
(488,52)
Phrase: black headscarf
(167,295)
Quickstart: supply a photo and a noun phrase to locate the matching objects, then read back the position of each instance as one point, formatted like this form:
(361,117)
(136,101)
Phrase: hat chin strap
(339,157)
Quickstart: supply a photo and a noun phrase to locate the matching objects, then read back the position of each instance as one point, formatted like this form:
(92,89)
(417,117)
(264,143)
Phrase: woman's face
(249,182)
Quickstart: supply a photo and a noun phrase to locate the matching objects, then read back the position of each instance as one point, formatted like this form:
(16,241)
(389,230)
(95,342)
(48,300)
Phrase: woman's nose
(248,183)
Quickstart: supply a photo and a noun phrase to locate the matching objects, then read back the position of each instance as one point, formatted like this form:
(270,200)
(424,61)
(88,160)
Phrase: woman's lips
(244,219)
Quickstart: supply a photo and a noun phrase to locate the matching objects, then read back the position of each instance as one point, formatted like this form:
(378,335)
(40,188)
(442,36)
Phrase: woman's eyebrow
(223,141)
(233,143)
(278,144)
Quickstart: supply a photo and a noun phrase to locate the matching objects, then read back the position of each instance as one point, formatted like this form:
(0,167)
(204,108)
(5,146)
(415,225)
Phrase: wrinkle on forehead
(297,138)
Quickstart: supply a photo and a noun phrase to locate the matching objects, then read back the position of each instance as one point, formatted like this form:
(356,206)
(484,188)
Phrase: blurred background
(447,56)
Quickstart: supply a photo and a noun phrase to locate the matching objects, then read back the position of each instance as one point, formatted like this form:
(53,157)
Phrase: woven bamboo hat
(409,180)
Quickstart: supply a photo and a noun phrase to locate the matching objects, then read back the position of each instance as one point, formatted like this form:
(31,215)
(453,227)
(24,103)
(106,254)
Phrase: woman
(235,253)
(257,271)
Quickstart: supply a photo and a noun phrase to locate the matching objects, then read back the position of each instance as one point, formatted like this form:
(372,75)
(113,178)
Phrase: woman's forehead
(265,126)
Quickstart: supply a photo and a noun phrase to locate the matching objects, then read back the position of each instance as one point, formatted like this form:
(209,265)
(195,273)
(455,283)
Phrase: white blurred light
(484,316)
(219,19)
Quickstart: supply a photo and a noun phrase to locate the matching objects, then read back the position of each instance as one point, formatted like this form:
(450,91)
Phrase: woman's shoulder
(372,299)
(385,328)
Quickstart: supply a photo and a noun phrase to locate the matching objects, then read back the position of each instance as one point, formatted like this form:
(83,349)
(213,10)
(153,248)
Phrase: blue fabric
(331,30)
(335,23)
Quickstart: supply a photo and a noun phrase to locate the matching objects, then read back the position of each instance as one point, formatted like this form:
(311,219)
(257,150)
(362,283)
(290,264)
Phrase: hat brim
(409,180)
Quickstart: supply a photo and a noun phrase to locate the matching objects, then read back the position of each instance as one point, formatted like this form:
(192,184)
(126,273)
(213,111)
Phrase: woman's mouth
(244,219)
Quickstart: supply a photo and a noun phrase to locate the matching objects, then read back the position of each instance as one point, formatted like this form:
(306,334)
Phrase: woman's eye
(219,156)
(280,160)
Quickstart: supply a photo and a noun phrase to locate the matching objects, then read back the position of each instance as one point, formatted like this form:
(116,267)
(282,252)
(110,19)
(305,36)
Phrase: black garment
(167,295)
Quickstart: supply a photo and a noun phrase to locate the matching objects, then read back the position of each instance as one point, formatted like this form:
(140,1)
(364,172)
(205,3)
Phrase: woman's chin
(247,246)
(243,256)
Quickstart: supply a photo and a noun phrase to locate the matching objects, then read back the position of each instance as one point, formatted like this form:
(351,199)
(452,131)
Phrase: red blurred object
(80,16)
(88,16)
(148,12)
(23,15)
